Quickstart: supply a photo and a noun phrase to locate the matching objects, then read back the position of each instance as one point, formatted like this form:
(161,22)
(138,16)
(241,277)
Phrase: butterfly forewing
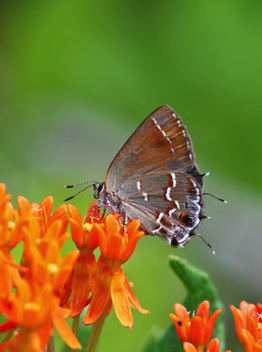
(160,143)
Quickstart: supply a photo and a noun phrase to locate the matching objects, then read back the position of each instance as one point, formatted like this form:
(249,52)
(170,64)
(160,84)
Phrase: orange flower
(116,245)
(248,326)
(251,345)
(85,274)
(259,311)
(42,213)
(34,310)
(43,240)
(10,235)
(213,346)
(199,328)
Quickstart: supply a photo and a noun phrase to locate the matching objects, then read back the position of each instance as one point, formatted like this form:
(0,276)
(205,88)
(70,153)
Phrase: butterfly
(154,178)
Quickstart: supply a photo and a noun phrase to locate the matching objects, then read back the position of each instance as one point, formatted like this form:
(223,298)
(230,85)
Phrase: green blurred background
(78,77)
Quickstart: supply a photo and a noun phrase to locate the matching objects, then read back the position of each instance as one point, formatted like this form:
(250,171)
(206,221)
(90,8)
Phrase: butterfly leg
(97,205)
(209,245)
(125,223)
(104,212)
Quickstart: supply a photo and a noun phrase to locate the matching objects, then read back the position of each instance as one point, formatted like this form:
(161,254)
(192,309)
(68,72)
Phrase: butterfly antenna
(80,184)
(209,245)
(221,200)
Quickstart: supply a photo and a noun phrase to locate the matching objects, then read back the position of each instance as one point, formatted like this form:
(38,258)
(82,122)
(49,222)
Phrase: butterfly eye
(100,188)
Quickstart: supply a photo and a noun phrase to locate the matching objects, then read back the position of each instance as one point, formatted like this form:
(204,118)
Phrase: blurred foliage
(77,77)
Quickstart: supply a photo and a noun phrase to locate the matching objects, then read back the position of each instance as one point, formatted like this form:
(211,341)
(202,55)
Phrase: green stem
(8,335)
(75,329)
(50,344)
(96,331)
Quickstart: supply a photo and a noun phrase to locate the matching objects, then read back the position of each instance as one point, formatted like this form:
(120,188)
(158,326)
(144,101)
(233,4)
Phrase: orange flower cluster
(40,292)
(248,325)
(106,278)
(196,332)
(34,309)
(44,281)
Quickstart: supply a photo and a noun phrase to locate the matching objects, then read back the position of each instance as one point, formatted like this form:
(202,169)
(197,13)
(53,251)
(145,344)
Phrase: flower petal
(188,347)
(100,297)
(133,299)
(248,340)
(252,327)
(197,331)
(65,269)
(210,325)
(252,311)
(131,245)
(102,239)
(181,312)
(111,225)
(46,207)
(81,284)
(213,345)
(120,299)
(8,325)
(203,310)
(23,205)
(74,213)
(181,328)
(259,310)
(244,307)
(240,323)
(64,330)
(115,247)
(77,233)
(93,241)
(60,212)
(67,291)
(132,228)
(257,347)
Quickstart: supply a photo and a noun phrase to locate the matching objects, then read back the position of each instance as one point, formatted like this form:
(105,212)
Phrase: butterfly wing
(160,143)
(154,178)
(168,204)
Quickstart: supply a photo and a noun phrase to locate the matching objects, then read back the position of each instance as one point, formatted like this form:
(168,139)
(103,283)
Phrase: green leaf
(167,342)
(199,287)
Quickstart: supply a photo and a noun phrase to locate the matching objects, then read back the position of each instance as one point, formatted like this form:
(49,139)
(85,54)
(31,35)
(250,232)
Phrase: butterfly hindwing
(168,204)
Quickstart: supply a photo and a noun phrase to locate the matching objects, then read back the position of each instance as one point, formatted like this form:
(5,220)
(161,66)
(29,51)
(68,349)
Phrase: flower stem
(8,335)
(50,345)
(75,329)
(96,331)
